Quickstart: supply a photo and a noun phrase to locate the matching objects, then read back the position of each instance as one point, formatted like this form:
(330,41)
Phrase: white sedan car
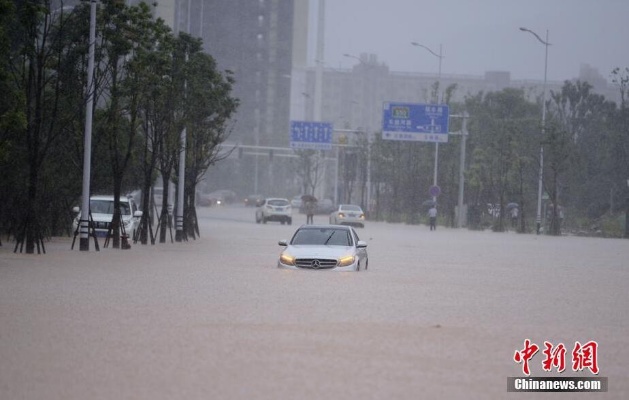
(333,247)
(348,214)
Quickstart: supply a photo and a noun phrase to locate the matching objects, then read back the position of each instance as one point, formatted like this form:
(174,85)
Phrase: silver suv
(102,208)
(274,209)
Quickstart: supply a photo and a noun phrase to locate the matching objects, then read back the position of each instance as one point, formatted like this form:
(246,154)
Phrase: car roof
(276,198)
(109,198)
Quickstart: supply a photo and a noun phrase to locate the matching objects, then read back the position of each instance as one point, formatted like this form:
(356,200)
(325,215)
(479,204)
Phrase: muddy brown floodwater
(437,315)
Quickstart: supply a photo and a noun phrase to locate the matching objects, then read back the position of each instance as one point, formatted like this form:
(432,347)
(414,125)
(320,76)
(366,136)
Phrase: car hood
(309,251)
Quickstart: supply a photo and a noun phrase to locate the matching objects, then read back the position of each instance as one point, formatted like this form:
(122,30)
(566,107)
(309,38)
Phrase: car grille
(315,263)
(101,225)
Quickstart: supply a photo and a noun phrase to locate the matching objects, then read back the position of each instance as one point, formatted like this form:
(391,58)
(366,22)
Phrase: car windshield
(350,208)
(277,202)
(107,207)
(322,236)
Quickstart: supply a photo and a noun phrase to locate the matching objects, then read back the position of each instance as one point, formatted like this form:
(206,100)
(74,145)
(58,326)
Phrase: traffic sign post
(434,191)
(311,135)
(415,122)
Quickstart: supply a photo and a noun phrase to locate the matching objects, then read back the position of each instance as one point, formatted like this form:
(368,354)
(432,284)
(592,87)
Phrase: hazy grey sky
(481,35)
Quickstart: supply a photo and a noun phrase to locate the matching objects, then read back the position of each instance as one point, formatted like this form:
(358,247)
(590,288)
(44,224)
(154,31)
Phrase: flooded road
(437,315)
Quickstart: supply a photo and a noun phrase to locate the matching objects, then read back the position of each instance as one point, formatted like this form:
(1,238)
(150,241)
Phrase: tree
(10,117)
(621,78)
(502,146)
(209,107)
(308,167)
(154,83)
(575,147)
(37,49)
(126,33)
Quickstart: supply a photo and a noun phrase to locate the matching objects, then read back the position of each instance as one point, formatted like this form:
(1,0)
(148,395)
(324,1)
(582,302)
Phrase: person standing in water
(432,214)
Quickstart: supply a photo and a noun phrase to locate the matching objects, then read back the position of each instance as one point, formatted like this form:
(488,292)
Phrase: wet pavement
(437,315)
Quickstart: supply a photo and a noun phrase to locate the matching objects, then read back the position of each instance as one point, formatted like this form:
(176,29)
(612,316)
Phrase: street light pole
(538,218)
(464,134)
(84,239)
(179,216)
(440,57)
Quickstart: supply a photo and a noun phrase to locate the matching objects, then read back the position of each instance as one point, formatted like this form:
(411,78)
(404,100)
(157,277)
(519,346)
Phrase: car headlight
(341,215)
(347,260)
(287,259)
(362,216)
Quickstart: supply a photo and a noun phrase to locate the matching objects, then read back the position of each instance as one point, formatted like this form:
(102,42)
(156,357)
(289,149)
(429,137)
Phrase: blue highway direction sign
(415,122)
(311,135)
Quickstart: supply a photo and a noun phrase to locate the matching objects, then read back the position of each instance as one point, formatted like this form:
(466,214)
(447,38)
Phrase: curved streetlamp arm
(367,64)
(536,35)
(431,52)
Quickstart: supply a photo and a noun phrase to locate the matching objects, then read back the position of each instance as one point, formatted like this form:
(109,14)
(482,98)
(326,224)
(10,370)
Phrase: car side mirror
(361,244)
(283,243)
(76,209)
(137,214)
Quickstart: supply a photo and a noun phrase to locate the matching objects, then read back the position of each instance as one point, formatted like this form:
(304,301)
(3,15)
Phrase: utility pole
(437,101)
(538,218)
(464,134)
(179,217)
(84,240)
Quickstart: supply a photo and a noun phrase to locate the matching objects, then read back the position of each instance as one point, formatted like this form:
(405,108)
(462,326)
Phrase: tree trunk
(165,222)
(115,222)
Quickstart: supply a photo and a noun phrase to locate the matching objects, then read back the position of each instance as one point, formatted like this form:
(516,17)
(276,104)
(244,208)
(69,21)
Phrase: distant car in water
(348,214)
(325,206)
(203,200)
(253,199)
(216,198)
(274,209)
(332,247)
(296,201)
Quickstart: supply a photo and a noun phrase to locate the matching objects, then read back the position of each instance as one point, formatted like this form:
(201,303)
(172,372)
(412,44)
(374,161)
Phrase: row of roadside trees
(149,84)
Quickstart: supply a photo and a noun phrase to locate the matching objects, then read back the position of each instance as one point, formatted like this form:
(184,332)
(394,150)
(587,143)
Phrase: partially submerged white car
(102,208)
(348,214)
(333,247)
(274,209)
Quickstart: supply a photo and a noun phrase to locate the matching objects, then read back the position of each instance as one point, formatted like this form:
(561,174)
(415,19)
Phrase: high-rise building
(259,41)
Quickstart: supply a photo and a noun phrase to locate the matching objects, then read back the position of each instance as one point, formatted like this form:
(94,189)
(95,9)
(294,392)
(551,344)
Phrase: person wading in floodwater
(432,214)
(310,210)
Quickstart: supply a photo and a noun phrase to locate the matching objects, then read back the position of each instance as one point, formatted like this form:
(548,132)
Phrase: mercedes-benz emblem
(315,264)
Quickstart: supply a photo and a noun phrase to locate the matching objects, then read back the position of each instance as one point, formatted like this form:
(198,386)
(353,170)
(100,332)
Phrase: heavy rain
(158,158)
